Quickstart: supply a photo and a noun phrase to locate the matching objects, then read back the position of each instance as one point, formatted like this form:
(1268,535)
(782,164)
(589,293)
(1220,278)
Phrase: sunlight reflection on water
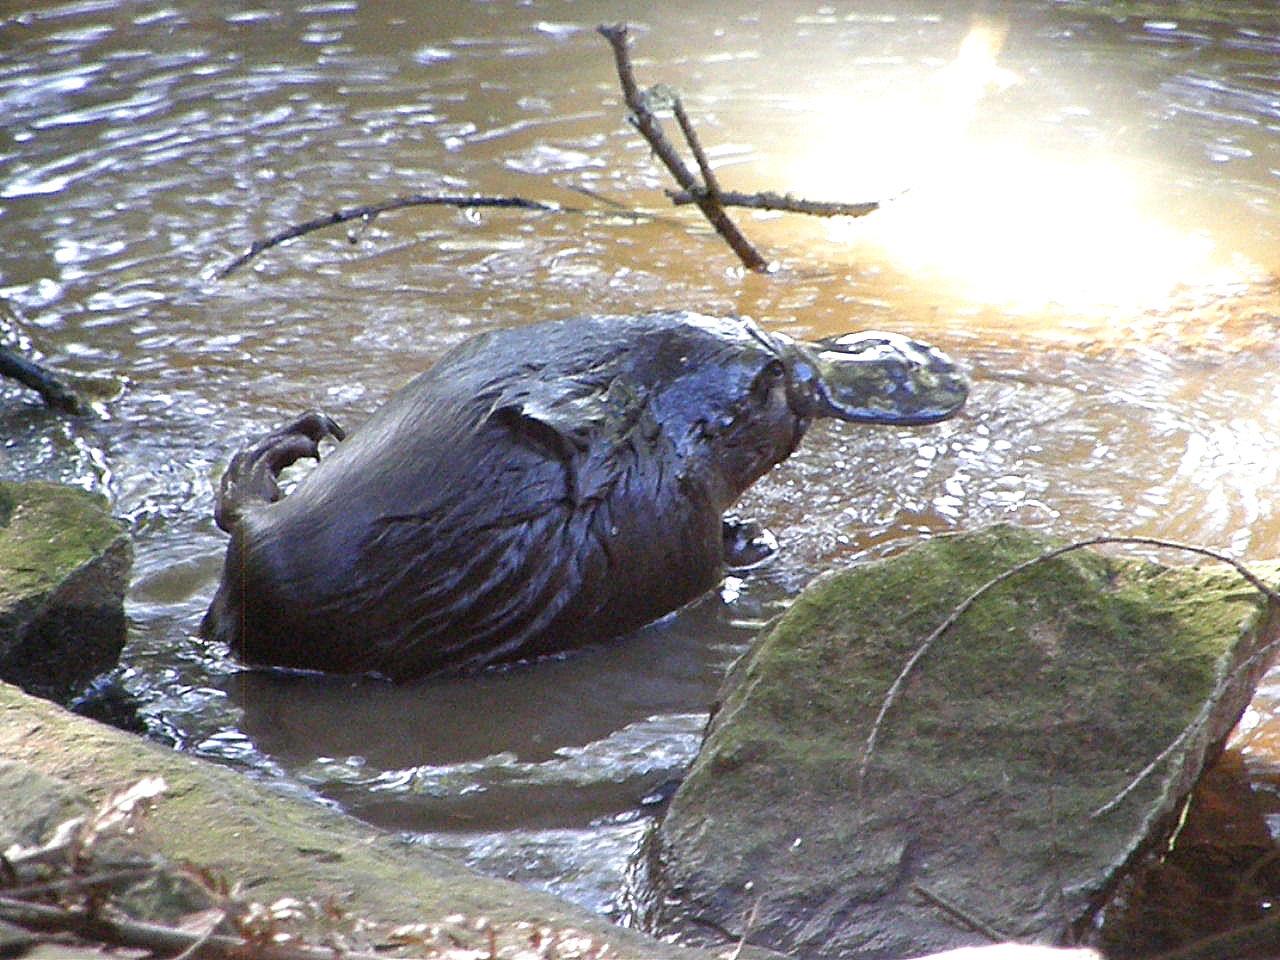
(996,218)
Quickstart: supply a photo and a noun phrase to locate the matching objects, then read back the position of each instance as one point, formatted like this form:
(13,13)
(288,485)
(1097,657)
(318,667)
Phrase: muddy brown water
(1083,205)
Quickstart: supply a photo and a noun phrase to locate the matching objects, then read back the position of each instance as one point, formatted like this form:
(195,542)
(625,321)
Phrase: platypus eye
(770,377)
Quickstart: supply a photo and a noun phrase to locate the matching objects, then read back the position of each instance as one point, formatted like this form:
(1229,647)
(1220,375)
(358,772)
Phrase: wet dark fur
(538,489)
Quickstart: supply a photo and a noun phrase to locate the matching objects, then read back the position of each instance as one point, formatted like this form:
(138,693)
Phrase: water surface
(1082,205)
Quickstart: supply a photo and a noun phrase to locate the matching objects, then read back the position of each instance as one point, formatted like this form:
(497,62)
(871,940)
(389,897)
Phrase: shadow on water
(145,144)
(539,710)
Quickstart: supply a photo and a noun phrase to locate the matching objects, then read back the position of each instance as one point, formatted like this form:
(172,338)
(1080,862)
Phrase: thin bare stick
(368,211)
(617,206)
(109,878)
(895,689)
(711,184)
(747,926)
(1194,727)
(643,120)
(784,202)
(157,937)
(958,913)
(1150,768)
(197,945)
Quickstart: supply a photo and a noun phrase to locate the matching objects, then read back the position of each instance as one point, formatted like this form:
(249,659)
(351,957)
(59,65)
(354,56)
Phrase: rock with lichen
(321,874)
(33,805)
(1036,749)
(64,568)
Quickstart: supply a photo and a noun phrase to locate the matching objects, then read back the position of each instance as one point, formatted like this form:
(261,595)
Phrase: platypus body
(538,489)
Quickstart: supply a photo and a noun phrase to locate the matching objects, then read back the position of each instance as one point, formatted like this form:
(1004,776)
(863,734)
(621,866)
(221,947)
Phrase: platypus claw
(251,475)
(746,543)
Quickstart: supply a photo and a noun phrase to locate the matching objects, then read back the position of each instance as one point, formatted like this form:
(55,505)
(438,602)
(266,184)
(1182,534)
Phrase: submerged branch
(368,212)
(56,394)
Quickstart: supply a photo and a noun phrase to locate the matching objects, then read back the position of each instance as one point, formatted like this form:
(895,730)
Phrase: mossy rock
(279,845)
(64,568)
(1006,777)
(32,805)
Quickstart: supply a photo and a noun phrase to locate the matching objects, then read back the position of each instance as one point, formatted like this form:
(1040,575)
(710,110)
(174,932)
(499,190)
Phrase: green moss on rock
(46,530)
(64,565)
(1038,708)
(33,805)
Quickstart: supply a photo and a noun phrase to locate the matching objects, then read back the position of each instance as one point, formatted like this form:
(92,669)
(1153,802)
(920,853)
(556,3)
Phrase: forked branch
(707,194)
(644,120)
(700,188)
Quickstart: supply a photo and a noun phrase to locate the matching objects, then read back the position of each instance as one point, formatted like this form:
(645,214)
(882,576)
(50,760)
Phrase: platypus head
(745,397)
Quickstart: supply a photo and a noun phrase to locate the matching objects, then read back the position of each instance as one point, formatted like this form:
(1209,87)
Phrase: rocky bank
(1035,750)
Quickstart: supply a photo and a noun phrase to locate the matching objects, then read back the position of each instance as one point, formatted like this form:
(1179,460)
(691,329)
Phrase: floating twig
(895,689)
(784,202)
(706,193)
(368,212)
(643,119)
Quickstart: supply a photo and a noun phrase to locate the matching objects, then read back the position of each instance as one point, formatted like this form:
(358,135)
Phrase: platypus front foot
(746,543)
(251,476)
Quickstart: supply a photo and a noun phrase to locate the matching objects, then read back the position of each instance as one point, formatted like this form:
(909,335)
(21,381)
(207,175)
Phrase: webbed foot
(251,477)
(747,544)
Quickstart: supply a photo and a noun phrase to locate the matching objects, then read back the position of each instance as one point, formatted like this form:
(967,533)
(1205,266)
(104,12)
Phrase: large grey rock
(64,568)
(32,805)
(281,846)
(1006,785)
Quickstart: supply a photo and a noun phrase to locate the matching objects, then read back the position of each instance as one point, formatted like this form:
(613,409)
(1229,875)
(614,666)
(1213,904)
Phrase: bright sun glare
(1004,223)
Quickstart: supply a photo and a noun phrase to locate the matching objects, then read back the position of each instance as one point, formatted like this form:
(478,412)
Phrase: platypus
(538,489)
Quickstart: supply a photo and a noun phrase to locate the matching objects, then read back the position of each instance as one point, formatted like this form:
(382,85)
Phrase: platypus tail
(251,475)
